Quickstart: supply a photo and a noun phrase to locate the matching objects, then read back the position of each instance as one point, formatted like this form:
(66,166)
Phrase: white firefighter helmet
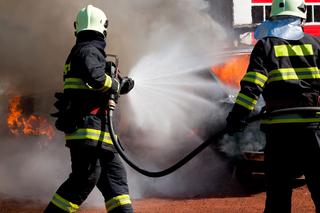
(295,8)
(91,18)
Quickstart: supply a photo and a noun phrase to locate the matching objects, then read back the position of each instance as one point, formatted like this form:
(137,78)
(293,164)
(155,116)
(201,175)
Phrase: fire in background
(232,71)
(22,121)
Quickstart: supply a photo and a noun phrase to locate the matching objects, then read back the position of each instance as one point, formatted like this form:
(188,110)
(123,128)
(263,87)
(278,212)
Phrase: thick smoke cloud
(35,39)
(36,36)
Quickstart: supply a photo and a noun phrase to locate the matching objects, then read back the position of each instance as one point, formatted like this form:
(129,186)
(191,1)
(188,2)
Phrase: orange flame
(27,125)
(232,71)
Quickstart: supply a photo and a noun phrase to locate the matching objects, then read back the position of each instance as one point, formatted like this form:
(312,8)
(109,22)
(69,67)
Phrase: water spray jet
(116,141)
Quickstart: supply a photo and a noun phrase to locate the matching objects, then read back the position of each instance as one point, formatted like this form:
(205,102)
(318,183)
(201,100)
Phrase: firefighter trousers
(92,167)
(288,154)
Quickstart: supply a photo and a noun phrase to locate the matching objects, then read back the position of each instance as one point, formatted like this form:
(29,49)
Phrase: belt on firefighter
(292,118)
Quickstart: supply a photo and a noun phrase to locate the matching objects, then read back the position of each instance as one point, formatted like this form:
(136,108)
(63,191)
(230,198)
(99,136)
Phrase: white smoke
(32,167)
(249,140)
(174,105)
(162,44)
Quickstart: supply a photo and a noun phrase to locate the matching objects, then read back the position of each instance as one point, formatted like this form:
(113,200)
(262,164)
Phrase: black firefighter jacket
(88,83)
(286,73)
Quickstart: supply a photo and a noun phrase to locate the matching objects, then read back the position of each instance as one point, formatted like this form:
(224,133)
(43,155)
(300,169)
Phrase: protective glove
(235,123)
(111,69)
(115,90)
(126,85)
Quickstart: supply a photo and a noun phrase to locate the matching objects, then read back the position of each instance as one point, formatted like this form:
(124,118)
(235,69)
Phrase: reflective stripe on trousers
(118,201)
(64,204)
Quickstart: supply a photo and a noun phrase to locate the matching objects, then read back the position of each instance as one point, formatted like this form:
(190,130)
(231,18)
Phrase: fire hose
(117,143)
(218,135)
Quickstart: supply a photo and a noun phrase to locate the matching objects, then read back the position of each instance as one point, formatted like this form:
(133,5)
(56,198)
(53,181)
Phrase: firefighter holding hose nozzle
(89,82)
(284,68)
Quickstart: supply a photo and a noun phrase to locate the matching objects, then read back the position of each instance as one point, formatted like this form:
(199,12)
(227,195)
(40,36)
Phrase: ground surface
(301,203)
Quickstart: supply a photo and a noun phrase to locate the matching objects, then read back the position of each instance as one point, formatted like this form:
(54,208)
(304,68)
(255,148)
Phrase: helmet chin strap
(106,24)
(75,28)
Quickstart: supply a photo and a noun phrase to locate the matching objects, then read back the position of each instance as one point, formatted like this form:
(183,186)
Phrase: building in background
(248,14)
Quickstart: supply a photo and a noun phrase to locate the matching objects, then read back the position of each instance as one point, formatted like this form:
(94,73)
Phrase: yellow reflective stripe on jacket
(293,50)
(107,84)
(294,74)
(67,68)
(75,83)
(64,204)
(256,78)
(118,201)
(290,118)
(92,134)
(78,83)
(246,101)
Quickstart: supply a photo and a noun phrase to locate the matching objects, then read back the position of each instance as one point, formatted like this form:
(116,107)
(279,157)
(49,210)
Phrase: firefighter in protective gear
(284,68)
(89,81)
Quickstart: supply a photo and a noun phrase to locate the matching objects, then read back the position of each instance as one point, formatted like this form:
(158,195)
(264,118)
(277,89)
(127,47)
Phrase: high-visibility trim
(117,201)
(75,83)
(107,84)
(63,204)
(294,74)
(290,118)
(246,101)
(78,83)
(256,78)
(67,68)
(93,134)
(293,50)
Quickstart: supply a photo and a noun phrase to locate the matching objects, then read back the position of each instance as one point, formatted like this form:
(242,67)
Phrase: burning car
(245,149)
